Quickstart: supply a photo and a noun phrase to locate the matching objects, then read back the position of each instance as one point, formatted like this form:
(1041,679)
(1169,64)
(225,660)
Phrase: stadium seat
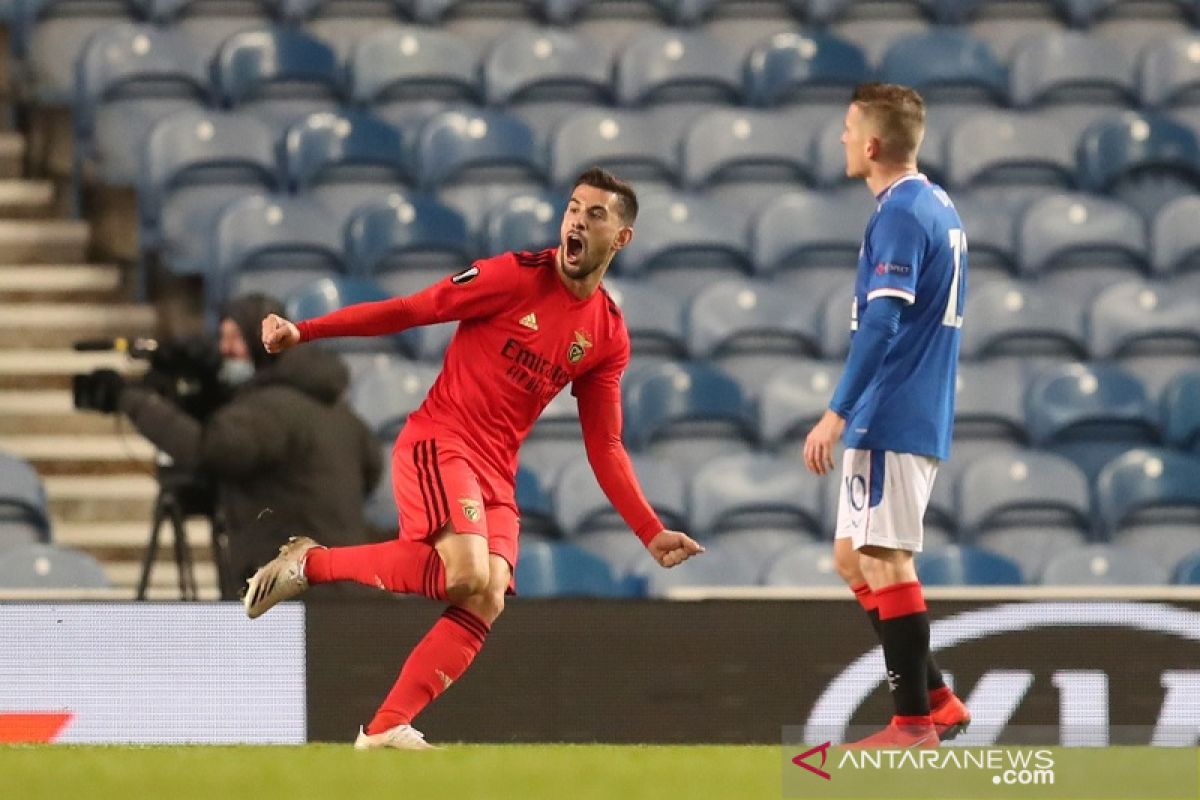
(1181,411)
(1175,242)
(194,163)
(793,400)
(129,77)
(547,65)
(455,146)
(946,65)
(554,569)
(807,565)
(1170,73)
(758,548)
(689,238)
(713,569)
(746,316)
(1030,547)
(1080,243)
(380,507)
(673,65)
(1104,565)
(804,230)
(1009,318)
(526,221)
(1143,160)
(48,35)
(387,392)
(989,403)
(1070,67)
(326,295)
(1187,571)
(412,64)
(44,566)
(624,553)
(1138,318)
(653,316)
(955,565)
(581,508)
(1149,500)
(340,159)
(626,142)
(23,497)
(731,146)
(1022,489)
(279,74)
(1005,148)
(800,67)
(1084,13)
(535,504)
(273,244)
(756,492)
(406,232)
(692,409)
(991,228)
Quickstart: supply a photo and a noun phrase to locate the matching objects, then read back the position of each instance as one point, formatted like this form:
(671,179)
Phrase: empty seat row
(24,515)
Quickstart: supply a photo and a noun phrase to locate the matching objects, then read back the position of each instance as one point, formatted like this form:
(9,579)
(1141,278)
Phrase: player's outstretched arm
(671,548)
(278,334)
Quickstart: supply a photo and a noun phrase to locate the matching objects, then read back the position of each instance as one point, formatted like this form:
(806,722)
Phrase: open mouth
(575,248)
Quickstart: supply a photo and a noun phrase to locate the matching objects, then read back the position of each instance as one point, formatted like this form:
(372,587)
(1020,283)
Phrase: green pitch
(460,772)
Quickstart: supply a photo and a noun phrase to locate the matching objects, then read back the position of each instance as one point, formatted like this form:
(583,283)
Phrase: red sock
(866,598)
(398,566)
(437,661)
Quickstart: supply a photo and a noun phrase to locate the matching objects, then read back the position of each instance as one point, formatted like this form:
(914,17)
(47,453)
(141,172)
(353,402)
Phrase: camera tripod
(181,496)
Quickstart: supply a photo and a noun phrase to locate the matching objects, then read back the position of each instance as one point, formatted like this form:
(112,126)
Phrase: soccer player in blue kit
(894,405)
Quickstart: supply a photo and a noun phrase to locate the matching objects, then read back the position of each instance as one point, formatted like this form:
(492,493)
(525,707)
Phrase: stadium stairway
(97,471)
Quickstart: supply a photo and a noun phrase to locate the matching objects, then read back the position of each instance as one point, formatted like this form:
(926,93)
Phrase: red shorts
(434,483)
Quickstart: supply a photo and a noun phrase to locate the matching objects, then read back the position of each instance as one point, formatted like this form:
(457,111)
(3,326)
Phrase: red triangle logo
(823,750)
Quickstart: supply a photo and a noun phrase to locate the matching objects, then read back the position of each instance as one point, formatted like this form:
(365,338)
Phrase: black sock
(906,653)
(933,674)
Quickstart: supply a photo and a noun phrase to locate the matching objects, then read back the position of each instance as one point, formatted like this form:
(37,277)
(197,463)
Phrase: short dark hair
(627,202)
(898,112)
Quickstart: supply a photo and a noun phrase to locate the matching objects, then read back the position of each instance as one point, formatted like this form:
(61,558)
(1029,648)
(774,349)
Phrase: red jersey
(522,337)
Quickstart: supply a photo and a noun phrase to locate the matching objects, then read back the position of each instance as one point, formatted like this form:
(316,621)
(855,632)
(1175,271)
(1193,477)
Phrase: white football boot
(281,578)
(401,737)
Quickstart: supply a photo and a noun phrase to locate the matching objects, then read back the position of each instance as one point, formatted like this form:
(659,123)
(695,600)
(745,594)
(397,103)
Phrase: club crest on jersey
(579,347)
(466,276)
(471,508)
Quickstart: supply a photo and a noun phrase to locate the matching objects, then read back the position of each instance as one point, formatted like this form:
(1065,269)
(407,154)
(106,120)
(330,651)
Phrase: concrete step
(129,535)
(26,199)
(43,241)
(100,499)
(49,411)
(52,369)
(12,155)
(164,578)
(61,282)
(83,455)
(57,325)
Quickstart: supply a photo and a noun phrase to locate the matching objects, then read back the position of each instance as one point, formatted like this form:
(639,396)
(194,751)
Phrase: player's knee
(465,581)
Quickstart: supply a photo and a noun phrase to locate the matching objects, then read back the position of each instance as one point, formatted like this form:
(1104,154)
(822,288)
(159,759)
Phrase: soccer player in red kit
(530,323)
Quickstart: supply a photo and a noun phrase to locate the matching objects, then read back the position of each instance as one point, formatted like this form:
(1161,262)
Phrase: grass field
(477,772)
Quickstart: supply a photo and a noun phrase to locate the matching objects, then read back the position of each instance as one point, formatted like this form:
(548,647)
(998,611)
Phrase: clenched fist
(670,548)
(278,334)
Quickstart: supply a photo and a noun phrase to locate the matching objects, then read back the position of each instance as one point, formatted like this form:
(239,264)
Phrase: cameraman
(287,456)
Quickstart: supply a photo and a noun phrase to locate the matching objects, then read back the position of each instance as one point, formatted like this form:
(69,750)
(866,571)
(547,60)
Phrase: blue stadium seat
(991,228)
(326,295)
(807,565)
(837,310)
(341,159)
(48,36)
(1080,243)
(208,23)
(1084,13)
(1104,565)
(793,400)
(1141,318)
(581,507)
(1187,572)
(1025,488)
(799,67)
(462,147)
(746,316)
(738,146)
(673,65)
(715,568)
(1070,67)
(756,492)
(546,65)
(1175,241)
(22,496)
(128,77)
(1010,318)
(990,401)
(1089,413)
(955,565)
(1181,411)
(1149,500)
(526,221)
(1005,148)
(692,409)
(1169,73)
(1030,547)
(624,553)
(946,65)
(804,230)
(694,239)
(380,507)
(279,74)
(44,566)
(535,504)
(412,64)
(273,244)
(1143,160)
(757,549)
(406,232)
(387,392)
(625,142)
(195,163)
(653,316)
(553,569)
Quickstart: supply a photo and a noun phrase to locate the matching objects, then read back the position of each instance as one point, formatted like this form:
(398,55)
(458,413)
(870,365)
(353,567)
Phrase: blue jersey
(914,249)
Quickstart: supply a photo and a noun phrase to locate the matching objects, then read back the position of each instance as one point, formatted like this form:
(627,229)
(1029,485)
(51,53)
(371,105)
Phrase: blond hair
(897,114)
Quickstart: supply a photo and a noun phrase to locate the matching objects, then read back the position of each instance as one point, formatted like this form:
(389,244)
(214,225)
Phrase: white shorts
(883,498)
